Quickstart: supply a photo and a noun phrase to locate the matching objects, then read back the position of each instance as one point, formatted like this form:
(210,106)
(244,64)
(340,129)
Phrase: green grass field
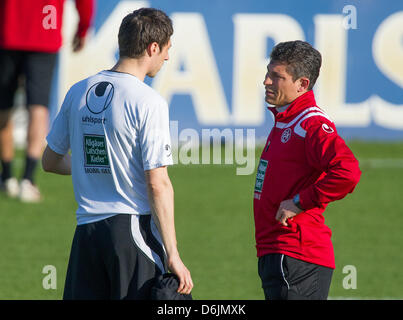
(215,231)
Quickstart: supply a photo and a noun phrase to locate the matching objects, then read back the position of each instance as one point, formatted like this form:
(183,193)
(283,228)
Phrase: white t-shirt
(116,127)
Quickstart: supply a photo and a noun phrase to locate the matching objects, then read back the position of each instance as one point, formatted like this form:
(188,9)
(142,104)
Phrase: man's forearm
(64,166)
(56,163)
(161,199)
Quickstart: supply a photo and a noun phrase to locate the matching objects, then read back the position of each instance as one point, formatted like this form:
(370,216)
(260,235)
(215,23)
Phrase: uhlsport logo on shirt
(168,150)
(99,97)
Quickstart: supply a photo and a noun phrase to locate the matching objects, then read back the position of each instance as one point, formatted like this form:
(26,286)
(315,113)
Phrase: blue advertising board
(220,50)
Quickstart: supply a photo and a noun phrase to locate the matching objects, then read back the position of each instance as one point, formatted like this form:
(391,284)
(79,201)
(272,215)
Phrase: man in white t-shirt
(117,129)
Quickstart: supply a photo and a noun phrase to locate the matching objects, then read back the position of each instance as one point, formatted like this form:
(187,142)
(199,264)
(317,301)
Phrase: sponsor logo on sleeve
(327,129)
(168,150)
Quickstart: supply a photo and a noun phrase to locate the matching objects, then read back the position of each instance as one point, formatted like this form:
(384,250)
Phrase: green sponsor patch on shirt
(95,151)
(261,171)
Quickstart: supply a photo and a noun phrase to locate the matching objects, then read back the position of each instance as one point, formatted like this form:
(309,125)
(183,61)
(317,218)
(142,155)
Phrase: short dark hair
(301,58)
(141,28)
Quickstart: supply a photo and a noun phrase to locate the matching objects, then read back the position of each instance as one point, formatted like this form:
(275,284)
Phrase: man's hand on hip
(287,210)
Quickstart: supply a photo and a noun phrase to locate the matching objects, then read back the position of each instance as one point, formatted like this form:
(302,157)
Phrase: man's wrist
(297,202)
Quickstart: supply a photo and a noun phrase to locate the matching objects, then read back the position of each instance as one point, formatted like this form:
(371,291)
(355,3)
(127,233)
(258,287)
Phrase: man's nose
(267,80)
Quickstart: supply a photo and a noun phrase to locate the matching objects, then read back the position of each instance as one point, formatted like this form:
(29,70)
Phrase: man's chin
(271,103)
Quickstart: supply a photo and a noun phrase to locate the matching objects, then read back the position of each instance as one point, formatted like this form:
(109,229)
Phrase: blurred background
(213,80)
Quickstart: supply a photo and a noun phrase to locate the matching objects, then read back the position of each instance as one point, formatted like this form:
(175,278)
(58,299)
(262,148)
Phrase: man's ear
(153,48)
(303,84)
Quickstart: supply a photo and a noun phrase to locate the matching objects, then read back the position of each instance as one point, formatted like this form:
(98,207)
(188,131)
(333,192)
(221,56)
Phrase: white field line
(393,163)
(375,163)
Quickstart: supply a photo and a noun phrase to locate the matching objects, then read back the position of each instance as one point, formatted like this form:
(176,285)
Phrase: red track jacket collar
(302,102)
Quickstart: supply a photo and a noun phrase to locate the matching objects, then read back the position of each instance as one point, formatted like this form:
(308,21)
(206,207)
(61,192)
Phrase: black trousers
(286,278)
(115,258)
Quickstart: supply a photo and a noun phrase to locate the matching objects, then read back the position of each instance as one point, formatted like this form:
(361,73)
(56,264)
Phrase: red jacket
(303,155)
(24,24)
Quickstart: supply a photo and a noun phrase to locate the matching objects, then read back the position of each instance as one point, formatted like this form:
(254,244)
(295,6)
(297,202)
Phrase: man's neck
(282,108)
(134,67)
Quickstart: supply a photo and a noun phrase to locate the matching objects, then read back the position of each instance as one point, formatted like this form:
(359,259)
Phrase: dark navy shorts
(286,278)
(116,258)
(36,67)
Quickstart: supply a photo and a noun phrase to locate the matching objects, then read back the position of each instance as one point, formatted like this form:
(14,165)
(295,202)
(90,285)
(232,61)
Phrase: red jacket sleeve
(328,153)
(85,10)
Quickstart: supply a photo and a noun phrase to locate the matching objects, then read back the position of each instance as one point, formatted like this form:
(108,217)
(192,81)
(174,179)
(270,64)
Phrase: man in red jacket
(30,37)
(304,165)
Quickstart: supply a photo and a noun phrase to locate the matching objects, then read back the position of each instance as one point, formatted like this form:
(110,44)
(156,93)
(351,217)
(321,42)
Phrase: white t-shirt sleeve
(58,138)
(155,138)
